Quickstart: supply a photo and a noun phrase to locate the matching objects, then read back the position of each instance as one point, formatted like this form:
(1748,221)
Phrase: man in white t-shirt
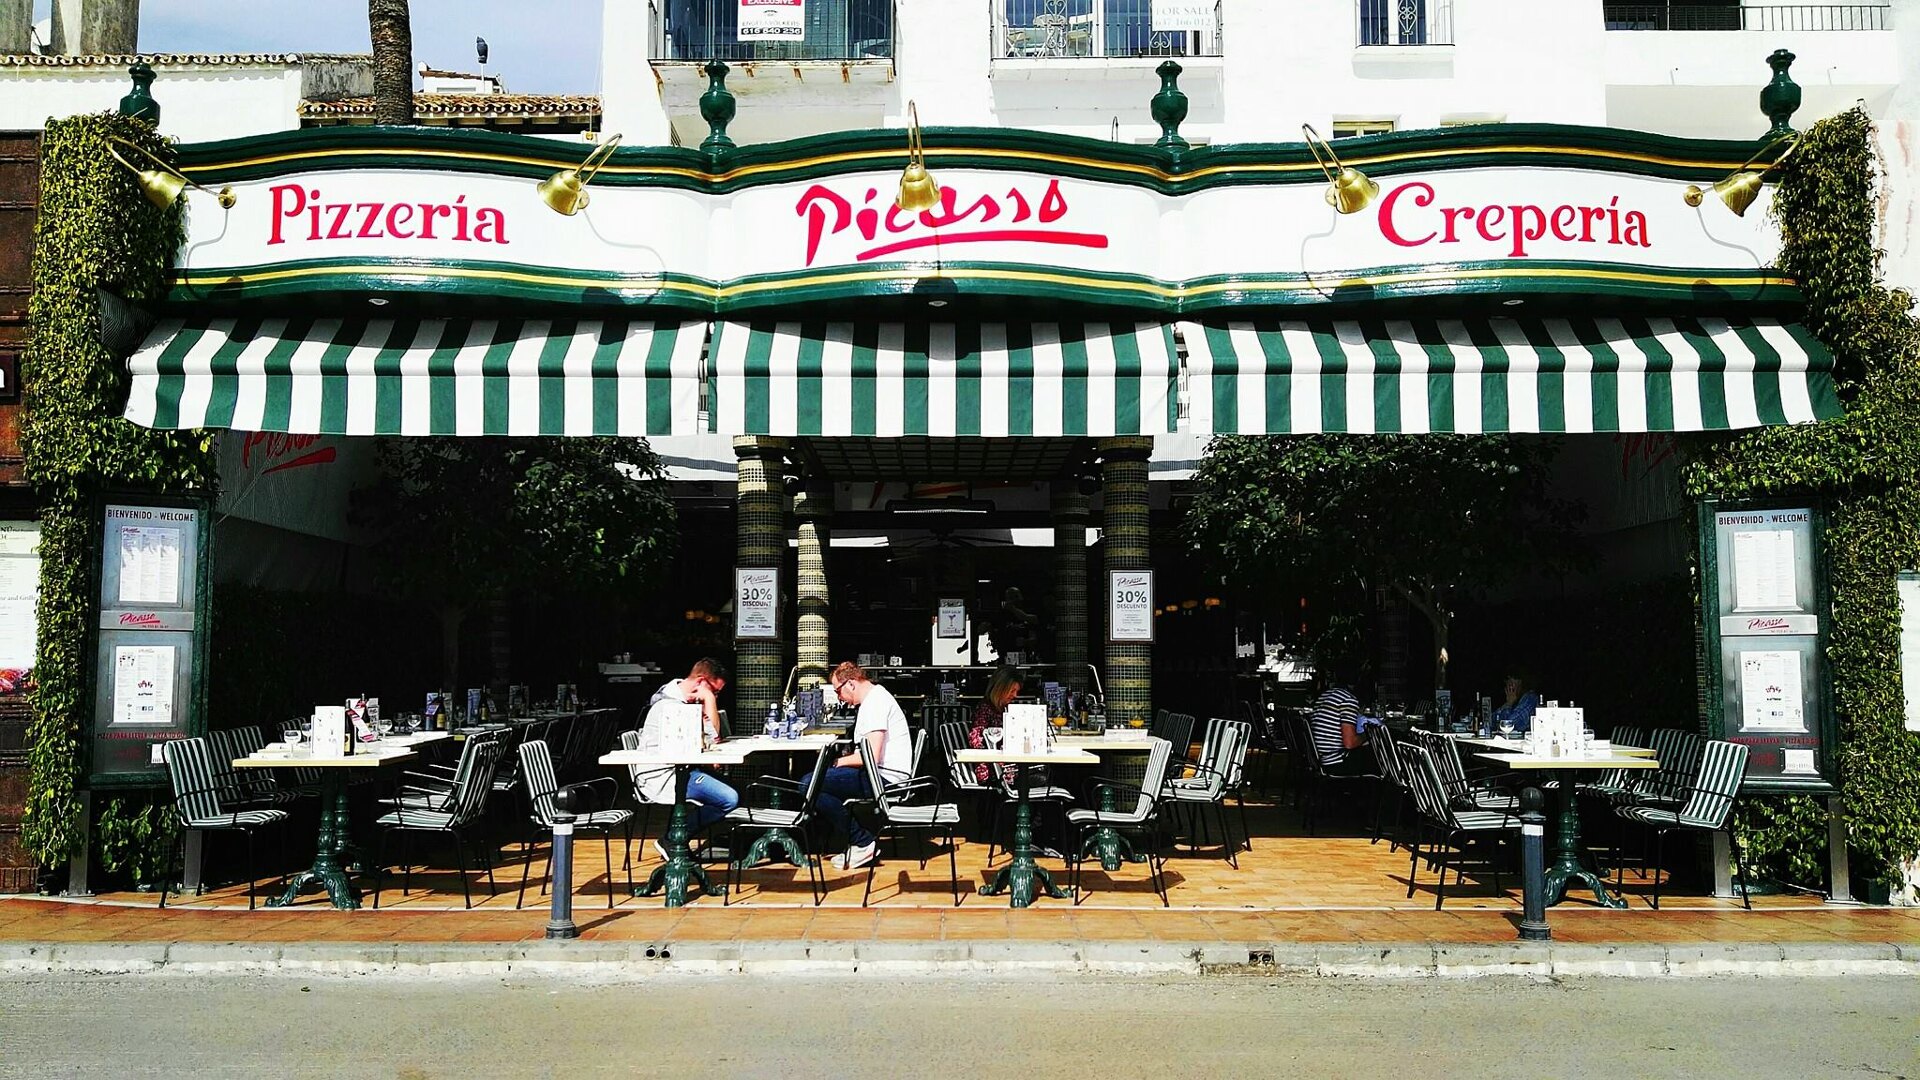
(880,727)
(710,796)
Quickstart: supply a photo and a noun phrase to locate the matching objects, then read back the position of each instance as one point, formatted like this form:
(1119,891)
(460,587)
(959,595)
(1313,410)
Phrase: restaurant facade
(1068,317)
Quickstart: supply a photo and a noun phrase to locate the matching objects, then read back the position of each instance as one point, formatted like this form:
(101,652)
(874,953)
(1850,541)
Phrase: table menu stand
(1022,876)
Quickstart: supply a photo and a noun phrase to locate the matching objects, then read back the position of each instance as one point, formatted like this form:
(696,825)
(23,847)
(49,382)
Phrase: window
(1404,22)
(1092,28)
(1347,129)
(700,30)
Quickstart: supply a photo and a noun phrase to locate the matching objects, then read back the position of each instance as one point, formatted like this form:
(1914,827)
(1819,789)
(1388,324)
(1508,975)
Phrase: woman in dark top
(992,713)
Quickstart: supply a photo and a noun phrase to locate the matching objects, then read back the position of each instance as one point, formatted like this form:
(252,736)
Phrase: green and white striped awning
(943,379)
(1571,375)
(421,376)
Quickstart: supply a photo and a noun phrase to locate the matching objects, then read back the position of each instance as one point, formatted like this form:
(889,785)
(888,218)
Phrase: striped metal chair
(1708,806)
(898,816)
(197,805)
(1460,791)
(244,789)
(1449,824)
(752,818)
(1138,814)
(1223,753)
(542,784)
(479,761)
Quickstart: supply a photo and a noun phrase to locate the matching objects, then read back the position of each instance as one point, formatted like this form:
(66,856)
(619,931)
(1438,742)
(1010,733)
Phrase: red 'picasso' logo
(828,213)
(140,618)
(280,452)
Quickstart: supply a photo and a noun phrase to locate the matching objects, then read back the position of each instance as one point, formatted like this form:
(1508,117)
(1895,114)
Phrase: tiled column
(813,512)
(1123,482)
(760,541)
(1070,582)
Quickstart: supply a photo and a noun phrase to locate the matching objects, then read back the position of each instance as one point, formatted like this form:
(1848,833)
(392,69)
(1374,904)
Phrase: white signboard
(756,603)
(1129,605)
(1770,692)
(143,684)
(952,619)
(1764,570)
(1276,240)
(773,20)
(19,591)
(149,565)
(1910,647)
(1184,15)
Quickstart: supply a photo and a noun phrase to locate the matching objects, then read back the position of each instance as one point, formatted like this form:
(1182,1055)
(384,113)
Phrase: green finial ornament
(139,102)
(1780,97)
(1169,107)
(716,108)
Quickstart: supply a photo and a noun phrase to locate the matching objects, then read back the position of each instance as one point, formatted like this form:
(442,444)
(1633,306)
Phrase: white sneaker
(858,858)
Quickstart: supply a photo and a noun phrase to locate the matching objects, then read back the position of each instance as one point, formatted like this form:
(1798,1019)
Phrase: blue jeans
(841,783)
(714,796)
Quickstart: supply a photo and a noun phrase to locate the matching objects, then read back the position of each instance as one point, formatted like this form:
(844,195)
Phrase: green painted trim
(838,153)
(584,288)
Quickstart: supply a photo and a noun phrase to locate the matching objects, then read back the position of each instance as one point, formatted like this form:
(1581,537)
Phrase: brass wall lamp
(918,190)
(163,184)
(1739,189)
(1348,190)
(565,192)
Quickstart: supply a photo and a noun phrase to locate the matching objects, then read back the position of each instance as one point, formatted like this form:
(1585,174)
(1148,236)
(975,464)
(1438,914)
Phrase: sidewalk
(41,935)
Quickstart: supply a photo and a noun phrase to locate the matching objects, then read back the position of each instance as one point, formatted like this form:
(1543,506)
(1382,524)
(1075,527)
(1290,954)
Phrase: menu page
(19,589)
(143,684)
(1763,570)
(1770,691)
(149,565)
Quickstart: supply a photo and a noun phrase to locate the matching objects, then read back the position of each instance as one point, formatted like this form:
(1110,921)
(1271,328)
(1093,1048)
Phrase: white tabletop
(669,757)
(366,757)
(761,744)
(1056,756)
(1519,746)
(1100,744)
(415,740)
(1607,761)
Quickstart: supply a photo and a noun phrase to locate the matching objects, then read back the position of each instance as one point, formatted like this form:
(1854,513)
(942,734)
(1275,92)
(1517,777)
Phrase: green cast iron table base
(1020,878)
(1113,848)
(1569,866)
(673,876)
(330,857)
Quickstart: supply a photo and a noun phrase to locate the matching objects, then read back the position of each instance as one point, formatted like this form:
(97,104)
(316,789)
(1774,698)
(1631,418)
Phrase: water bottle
(771,728)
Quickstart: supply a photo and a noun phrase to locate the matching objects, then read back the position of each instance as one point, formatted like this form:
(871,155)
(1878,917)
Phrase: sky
(535,46)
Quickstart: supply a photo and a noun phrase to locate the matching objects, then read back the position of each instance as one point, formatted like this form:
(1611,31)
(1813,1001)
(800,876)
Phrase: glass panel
(835,30)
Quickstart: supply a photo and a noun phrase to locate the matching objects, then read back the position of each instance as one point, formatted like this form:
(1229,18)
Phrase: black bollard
(560,915)
(1533,867)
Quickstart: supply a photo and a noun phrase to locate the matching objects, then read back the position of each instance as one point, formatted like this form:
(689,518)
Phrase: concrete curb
(627,960)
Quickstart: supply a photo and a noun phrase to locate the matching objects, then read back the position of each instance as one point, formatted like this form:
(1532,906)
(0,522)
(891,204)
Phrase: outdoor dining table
(1020,877)
(1112,847)
(331,856)
(672,876)
(1514,746)
(772,837)
(1569,863)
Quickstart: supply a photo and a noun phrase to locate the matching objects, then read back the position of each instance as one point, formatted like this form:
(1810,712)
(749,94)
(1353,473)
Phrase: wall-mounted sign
(9,375)
(1909,586)
(773,20)
(19,595)
(1184,15)
(150,637)
(951,621)
(756,603)
(1119,233)
(1129,605)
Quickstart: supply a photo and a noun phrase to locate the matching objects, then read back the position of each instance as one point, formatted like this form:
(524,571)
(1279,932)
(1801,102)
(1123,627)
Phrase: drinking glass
(1506,728)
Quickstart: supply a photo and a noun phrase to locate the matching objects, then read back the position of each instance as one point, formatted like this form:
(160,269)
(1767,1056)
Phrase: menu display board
(1129,605)
(756,603)
(19,593)
(1909,586)
(951,622)
(149,648)
(1765,616)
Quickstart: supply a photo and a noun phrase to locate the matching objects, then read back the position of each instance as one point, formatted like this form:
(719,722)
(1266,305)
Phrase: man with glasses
(880,728)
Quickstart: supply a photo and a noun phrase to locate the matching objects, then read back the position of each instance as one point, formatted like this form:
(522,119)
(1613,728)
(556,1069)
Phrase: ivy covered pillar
(760,541)
(813,512)
(1070,509)
(1123,483)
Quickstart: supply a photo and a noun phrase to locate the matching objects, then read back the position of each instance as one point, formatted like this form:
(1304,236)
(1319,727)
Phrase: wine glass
(1505,725)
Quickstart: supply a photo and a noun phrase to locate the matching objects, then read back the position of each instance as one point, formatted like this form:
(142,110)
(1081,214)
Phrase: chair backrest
(953,738)
(1674,779)
(1386,751)
(1628,735)
(1723,765)
(1158,759)
(1423,780)
(190,768)
(536,771)
(919,748)
(874,779)
(1221,754)
(481,756)
(934,714)
(810,798)
(1235,756)
(1177,729)
(221,748)
(643,778)
(469,752)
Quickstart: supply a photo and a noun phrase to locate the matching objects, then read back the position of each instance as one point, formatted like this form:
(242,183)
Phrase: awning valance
(942,379)
(1554,375)
(421,376)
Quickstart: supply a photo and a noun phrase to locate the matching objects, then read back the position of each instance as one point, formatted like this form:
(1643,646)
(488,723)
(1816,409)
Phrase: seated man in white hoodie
(708,795)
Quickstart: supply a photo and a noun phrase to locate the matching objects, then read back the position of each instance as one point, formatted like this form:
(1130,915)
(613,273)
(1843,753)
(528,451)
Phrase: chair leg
(460,857)
(406,865)
(166,885)
(1445,846)
(1739,863)
(606,842)
(629,858)
(1413,864)
(253,871)
(1246,832)
(526,866)
(873,864)
(953,866)
(1659,863)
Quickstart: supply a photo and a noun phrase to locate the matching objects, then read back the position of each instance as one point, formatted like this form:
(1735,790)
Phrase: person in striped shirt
(1336,735)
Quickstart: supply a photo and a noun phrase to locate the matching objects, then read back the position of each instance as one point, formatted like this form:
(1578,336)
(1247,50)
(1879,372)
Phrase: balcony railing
(700,30)
(1775,17)
(1403,22)
(1088,29)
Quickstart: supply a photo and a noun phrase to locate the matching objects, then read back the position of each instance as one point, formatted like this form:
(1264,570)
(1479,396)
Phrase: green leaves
(95,231)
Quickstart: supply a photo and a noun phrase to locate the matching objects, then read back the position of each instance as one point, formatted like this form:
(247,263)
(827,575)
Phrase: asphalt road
(768,1027)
